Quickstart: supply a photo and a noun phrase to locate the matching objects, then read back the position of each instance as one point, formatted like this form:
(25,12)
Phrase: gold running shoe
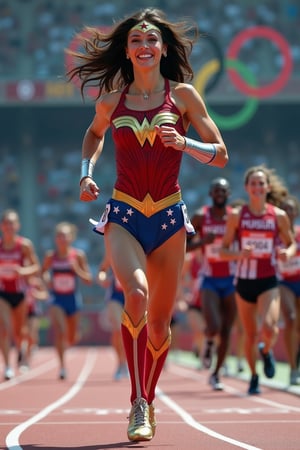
(139,428)
(152,418)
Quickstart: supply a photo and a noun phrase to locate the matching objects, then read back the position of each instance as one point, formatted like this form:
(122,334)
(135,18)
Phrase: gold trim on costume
(148,206)
(157,353)
(133,330)
(145,26)
(145,130)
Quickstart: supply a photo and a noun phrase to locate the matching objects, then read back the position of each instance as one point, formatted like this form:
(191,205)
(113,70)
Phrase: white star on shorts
(130,211)
(164,226)
(116,209)
(170,212)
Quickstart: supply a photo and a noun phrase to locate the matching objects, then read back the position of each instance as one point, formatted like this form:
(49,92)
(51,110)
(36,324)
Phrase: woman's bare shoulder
(107,102)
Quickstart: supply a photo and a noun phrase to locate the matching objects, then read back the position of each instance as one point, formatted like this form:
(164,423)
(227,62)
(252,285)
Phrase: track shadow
(113,445)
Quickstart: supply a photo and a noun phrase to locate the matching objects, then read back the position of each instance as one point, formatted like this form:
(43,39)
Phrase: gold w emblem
(145,130)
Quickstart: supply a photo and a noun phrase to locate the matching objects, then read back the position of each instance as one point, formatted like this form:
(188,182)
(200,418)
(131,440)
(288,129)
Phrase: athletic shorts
(294,286)
(249,290)
(223,286)
(150,232)
(197,308)
(14,299)
(70,304)
(117,296)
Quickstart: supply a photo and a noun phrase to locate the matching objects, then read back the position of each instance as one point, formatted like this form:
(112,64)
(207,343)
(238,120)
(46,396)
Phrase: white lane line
(189,373)
(42,368)
(189,420)
(12,439)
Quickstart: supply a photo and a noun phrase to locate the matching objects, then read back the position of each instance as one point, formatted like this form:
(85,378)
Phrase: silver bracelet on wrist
(202,151)
(87,169)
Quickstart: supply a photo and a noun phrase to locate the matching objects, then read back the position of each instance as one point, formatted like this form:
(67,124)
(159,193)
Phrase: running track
(88,411)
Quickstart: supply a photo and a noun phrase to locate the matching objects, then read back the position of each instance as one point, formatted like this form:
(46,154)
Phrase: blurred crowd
(34,34)
(56,189)
(33,37)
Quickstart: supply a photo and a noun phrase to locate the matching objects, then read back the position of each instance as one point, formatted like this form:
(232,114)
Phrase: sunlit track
(89,410)
(12,440)
(45,364)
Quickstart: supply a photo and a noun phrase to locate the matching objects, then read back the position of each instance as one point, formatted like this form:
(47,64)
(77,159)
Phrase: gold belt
(148,207)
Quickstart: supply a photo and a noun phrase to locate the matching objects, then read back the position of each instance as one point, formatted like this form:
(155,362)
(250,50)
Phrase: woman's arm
(92,146)
(210,148)
(286,236)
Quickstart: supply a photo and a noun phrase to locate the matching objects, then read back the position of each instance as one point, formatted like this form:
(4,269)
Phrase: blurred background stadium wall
(247,66)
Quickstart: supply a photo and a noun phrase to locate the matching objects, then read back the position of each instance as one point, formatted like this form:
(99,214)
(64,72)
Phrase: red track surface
(88,411)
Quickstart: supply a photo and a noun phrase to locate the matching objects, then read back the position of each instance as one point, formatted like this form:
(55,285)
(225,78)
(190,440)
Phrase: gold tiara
(145,26)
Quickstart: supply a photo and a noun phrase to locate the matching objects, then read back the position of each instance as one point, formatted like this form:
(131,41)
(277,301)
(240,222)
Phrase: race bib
(212,251)
(8,272)
(64,283)
(261,242)
(290,267)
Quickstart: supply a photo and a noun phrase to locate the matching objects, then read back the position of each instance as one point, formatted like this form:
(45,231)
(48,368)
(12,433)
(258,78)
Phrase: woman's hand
(170,137)
(88,190)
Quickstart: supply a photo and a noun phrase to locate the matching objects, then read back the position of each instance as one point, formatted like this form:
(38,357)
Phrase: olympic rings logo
(239,74)
(242,78)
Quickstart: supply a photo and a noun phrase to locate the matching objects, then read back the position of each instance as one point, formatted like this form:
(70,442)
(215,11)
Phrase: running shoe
(62,374)
(139,428)
(121,372)
(8,373)
(240,366)
(215,382)
(152,419)
(118,374)
(294,377)
(208,354)
(268,360)
(254,385)
(22,361)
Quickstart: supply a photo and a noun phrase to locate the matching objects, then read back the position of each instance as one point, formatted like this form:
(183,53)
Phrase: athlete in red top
(289,277)
(62,269)
(17,261)
(258,226)
(217,276)
(142,67)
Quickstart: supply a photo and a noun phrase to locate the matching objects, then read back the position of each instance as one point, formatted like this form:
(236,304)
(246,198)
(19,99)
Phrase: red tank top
(143,164)
(290,270)
(9,260)
(261,232)
(195,267)
(213,265)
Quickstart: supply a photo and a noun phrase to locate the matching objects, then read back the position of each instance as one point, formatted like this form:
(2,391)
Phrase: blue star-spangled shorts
(150,232)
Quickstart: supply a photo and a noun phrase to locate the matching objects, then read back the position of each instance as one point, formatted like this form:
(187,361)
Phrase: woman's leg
(164,267)
(129,265)
(288,308)
(5,335)
(59,325)
(268,309)
(247,315)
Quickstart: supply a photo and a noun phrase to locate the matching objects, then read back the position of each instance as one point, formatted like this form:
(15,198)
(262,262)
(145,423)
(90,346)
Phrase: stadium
(246,64)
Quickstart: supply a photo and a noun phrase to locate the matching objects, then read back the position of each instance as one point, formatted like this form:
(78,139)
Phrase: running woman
(258,225)
(141,68)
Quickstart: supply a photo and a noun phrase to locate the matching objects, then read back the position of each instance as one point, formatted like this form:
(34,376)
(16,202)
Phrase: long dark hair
(104,63)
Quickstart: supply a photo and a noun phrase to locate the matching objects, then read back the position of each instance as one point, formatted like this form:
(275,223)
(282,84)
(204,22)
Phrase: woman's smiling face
(257,184)
(145,48)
